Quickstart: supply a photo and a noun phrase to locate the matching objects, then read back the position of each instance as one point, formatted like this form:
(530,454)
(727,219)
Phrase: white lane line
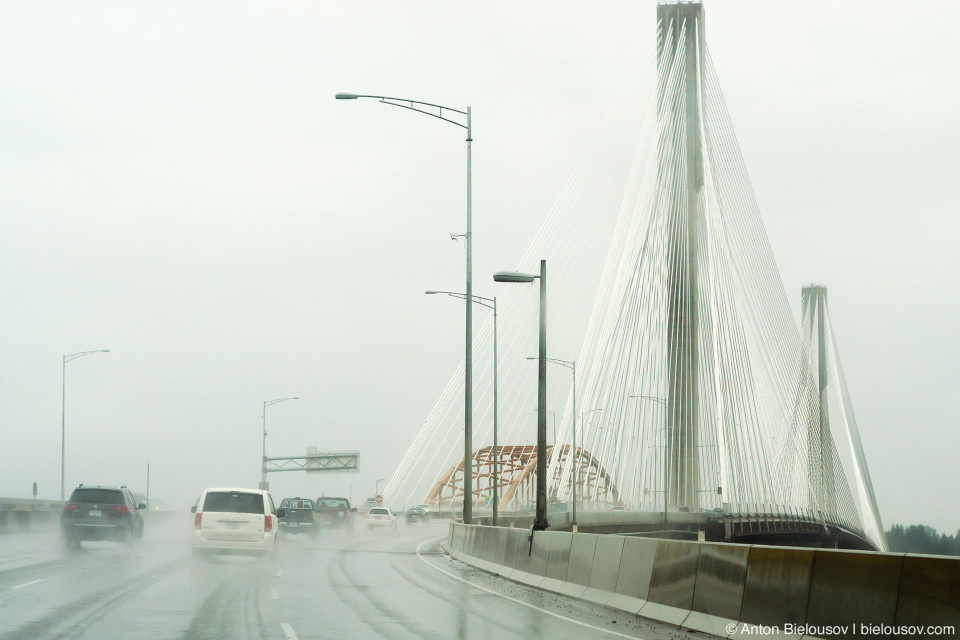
(27,584)
(288,631)
(277,574)
(521,602)
(275,594)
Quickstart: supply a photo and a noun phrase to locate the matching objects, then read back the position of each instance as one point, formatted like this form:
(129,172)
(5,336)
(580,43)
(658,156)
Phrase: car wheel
(69,544)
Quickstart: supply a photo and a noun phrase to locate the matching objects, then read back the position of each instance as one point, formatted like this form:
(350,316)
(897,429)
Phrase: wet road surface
(370,584)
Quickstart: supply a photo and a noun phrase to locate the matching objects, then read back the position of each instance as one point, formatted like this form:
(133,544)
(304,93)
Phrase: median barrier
(459,537)
(606,568)
(492,540)
(524,558)
(539,556)
(479,541)
(468,539)
(673,580)
(557,561)
(929,591)
(777,586)
(501,552)
(718,593)
(636,570)
(712,586)
(581,559)
(515,538)
(854,588)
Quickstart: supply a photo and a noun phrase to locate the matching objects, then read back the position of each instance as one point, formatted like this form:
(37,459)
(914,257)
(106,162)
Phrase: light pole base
(573,527)
(541,526)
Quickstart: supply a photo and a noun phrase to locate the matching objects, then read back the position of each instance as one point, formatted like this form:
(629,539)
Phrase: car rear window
(292,503)
(335,503)
(380,512)
(97,496)
(233,502)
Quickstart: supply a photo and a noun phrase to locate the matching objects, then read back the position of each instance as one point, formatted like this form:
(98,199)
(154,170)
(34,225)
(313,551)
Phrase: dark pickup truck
(335,513)
(298,517)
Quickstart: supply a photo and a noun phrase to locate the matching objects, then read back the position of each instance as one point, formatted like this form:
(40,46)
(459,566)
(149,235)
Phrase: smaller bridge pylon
(516,479)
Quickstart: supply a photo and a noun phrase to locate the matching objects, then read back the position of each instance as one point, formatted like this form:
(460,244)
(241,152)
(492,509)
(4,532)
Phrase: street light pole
(666,478)
(415,105)
(263,465)
(584,428)
(63,415)
(496,449)
(540,523)
(572,365)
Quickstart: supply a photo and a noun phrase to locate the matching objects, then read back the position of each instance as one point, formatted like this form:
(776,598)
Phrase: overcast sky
(178,185)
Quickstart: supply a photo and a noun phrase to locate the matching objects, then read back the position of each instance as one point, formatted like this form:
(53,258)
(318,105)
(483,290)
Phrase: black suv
(101,513)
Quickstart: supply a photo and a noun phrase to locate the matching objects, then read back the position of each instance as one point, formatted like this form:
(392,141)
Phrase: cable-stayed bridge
(698,392)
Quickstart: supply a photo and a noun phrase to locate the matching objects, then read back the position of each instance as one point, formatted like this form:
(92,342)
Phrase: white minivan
(236,521)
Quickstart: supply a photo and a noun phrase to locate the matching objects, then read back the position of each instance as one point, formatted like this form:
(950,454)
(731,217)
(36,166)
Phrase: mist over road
(378,584)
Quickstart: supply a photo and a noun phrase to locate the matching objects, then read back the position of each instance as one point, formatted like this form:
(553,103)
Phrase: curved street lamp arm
(563,363)
(73,356)
(662,401)
(396,103)
(268,403)
(462,296)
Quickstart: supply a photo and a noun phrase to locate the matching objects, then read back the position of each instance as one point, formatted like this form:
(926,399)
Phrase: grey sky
(180,187)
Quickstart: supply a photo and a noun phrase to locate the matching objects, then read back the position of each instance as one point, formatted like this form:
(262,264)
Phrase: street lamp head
(513,276)
(431,293)
(347,96)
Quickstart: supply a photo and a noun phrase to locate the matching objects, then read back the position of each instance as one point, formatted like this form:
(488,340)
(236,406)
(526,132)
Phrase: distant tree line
(919,538)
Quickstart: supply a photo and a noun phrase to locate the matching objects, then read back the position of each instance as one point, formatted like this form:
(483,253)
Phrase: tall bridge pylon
(696,387)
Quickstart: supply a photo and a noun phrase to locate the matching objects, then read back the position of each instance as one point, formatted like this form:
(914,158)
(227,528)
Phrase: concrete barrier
(501,550)
(557,562)
(606,568)
(709,586)
(524,558)
(777,587)
(718,593)
(636,571)
(515,539)
(672,583)
(468,541)
(854,588)
(581,559)
(479,547)
(539,557)
(929,591)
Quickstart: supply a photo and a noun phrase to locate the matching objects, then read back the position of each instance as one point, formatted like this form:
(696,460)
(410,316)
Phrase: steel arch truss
(516,472)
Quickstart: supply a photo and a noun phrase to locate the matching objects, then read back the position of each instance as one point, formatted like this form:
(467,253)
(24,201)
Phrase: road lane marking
(521,602)
(288,631)
(27,584)
(277,574)
(275,593)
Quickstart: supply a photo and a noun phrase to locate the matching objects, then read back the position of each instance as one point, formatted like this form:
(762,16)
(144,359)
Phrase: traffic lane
(71,596)
(40,553)
(378,585)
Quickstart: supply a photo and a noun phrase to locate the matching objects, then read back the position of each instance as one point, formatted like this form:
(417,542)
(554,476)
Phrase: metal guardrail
(29,504)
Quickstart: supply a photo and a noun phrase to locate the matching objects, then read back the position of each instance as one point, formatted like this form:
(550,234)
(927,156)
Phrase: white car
(236,521)
(380,517)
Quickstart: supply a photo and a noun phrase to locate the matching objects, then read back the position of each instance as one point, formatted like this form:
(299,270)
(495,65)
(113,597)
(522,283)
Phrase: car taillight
(267,523)
(71,506)
(121,509)
(197,517)
(311,516)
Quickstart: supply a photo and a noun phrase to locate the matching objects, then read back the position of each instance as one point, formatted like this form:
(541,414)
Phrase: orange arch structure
(516,471)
